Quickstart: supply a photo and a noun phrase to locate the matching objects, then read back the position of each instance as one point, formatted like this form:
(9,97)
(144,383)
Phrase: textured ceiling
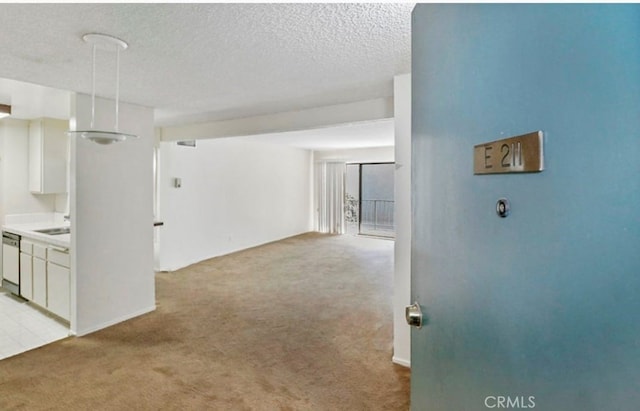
(204,62)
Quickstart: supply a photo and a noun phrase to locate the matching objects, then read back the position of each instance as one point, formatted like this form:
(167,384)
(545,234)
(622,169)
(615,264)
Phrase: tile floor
(23,327)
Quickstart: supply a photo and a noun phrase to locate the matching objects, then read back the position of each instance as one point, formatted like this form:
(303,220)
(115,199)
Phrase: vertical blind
(330,184)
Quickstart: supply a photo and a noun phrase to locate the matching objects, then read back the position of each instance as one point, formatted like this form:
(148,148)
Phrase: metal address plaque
(520,154)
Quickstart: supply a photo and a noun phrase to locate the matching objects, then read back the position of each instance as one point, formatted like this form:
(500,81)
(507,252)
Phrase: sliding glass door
(369,199)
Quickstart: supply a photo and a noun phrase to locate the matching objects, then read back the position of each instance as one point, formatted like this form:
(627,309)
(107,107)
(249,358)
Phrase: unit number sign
(520,154)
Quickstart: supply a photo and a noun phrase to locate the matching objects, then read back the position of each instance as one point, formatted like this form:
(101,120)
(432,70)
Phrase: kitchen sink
(54,231)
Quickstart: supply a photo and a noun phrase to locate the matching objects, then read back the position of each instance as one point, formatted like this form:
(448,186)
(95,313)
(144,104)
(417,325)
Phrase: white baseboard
(401,361)
(80,333)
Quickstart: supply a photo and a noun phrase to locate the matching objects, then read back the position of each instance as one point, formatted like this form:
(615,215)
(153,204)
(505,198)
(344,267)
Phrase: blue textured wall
(547,301)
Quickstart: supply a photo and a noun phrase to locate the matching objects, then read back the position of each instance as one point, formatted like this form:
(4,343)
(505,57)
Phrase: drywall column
(112,277)
(402,261)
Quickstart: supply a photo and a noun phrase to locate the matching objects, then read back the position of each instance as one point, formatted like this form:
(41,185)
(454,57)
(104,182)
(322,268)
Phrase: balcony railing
(376,216)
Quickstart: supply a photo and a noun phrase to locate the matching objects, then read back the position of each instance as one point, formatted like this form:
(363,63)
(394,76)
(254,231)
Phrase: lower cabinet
(40,282)
(26,275)
(58,289)
(45,276)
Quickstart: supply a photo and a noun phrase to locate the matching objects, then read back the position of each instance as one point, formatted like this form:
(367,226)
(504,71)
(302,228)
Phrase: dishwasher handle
(12,240)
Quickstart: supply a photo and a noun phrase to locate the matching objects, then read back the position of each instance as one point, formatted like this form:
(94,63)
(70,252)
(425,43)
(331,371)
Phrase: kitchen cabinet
(58,274)
(48,155)
(26,276)
(26,269)
(58,290)
(38,272)
(45,276)
(40,282)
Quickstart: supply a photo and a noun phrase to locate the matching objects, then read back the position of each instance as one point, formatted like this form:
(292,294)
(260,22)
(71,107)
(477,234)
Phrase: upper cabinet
(48,156)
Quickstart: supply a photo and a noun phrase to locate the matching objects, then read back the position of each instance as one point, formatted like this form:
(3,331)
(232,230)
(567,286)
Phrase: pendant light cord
(93,88)
(117,86)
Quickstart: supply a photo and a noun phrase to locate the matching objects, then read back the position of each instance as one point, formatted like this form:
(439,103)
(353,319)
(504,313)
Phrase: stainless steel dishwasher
(11,262)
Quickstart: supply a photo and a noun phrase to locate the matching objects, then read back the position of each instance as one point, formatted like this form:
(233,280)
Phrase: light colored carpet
(300,324)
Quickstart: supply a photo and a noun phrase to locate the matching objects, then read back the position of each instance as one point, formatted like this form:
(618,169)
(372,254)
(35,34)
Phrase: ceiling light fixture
(105,42)
(5,110)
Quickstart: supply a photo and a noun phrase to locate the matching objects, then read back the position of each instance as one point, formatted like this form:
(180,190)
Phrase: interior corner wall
(234,195)
(14,161)
(111,207)
(402,257)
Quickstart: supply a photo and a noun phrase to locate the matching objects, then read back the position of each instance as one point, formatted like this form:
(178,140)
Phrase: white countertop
(27,231)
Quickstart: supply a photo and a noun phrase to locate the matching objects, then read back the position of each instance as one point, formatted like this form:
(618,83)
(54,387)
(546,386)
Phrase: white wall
(234,195)
(357,155)
(402,276)
(15,197)
(112,218)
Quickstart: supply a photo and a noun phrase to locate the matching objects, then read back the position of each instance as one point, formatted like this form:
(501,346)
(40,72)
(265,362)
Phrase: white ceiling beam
(318,117)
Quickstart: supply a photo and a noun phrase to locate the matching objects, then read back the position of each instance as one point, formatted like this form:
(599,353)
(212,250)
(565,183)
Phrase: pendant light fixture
(104,42)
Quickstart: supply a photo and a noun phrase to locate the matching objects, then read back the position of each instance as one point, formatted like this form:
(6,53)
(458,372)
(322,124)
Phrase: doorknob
(413,315)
